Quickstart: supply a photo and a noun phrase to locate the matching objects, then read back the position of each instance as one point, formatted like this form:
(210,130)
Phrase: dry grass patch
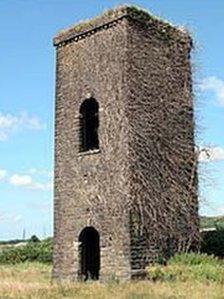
(33,281)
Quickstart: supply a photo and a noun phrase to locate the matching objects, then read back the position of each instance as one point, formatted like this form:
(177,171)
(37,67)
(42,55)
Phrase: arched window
(89,123)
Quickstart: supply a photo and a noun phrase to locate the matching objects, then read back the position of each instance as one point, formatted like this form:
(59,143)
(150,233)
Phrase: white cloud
(3,173)
(41,171)
(28,182)
(10,123)
(211,154)
(215,85)
(20,180)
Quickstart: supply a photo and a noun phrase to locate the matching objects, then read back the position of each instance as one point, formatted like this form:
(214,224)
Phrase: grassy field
(32,280)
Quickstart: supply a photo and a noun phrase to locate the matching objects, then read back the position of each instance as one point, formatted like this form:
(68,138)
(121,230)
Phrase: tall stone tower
(125,162)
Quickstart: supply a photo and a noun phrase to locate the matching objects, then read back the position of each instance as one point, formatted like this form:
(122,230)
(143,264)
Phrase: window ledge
(89,152)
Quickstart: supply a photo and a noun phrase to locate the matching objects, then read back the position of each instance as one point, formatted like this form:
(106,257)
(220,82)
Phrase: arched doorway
(89,253)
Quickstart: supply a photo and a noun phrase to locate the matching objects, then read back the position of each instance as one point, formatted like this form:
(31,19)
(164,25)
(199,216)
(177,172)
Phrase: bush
(32,251)
(34,239)
(213,242)
(193,267)
(193,259)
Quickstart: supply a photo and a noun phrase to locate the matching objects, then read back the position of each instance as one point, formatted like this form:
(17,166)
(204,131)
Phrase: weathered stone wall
(134,190)
(88,185)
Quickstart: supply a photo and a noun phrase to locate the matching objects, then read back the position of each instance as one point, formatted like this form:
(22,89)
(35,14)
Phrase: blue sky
(27,87)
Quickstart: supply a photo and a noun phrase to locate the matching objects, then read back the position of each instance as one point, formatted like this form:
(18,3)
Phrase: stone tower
(125,162)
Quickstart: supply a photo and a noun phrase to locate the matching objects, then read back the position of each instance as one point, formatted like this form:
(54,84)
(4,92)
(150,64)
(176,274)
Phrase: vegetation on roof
(125,9)
(144,13)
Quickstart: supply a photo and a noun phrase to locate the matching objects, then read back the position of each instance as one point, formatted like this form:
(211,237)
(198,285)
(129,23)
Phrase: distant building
(208,229)
(125,162)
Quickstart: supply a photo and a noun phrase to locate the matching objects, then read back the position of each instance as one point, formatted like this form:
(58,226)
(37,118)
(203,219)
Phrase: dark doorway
(89,253)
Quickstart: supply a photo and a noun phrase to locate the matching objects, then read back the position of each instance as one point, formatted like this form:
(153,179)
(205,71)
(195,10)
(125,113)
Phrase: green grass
(187,267)
(189,281)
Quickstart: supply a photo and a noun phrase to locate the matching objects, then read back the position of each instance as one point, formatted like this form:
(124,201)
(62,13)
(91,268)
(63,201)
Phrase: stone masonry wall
(139,190)
(88,185)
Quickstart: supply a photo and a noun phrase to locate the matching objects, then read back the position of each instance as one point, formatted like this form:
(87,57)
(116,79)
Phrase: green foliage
(209,222)
(193,259)
(213,242)
(192,266)
(34,239)
(41,251)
